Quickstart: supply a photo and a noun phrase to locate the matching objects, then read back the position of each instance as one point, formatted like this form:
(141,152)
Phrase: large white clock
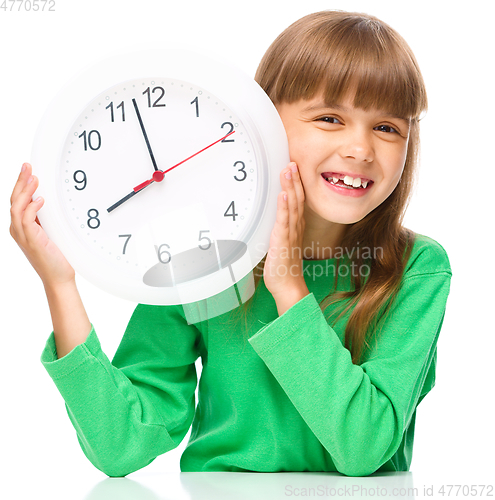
(160,171)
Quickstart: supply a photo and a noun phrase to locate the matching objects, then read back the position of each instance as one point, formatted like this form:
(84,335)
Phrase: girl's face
(345,144)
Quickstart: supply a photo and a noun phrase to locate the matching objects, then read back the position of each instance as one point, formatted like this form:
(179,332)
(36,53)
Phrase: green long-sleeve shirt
(281,396)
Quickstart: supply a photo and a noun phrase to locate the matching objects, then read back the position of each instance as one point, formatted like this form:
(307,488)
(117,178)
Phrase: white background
(454,45)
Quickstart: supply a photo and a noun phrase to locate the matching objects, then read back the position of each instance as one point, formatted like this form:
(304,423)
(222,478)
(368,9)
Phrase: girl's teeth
(349,181)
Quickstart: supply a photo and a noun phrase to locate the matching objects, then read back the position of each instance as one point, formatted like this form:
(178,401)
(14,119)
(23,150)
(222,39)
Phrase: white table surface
(91,484)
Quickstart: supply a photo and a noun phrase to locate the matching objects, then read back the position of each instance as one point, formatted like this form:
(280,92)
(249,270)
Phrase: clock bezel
(238,91)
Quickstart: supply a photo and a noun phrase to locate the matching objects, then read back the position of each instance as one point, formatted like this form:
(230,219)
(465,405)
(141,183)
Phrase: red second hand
(192,156)
(159,175)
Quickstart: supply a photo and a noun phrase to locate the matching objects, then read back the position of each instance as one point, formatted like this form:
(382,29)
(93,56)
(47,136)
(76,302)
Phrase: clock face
(209,197)
(160,189)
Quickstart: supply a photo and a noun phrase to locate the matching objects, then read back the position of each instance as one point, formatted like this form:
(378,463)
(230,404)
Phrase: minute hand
(145,134)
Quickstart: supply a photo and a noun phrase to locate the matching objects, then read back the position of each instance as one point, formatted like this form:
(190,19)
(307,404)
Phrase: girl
(324,367)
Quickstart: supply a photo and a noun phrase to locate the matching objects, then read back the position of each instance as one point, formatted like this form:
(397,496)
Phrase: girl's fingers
(21,181)
(22,194)
(298,188)
(283,214)
(29,225)
(20,202)
(291,182)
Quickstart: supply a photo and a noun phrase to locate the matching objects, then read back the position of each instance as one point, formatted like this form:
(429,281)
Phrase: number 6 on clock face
(160,171)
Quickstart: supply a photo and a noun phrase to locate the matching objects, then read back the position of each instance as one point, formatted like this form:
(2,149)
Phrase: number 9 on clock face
(161,188)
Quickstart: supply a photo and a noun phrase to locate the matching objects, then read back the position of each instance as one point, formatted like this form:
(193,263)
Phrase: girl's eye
(328,119)
(386,128)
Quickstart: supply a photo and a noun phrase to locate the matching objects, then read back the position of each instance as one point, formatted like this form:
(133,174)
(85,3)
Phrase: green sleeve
(359,413)
(140,405)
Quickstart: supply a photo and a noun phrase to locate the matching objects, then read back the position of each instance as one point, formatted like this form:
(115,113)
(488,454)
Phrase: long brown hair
(332,52)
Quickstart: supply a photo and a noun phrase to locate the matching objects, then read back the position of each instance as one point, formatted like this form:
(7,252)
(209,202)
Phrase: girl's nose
(357,146)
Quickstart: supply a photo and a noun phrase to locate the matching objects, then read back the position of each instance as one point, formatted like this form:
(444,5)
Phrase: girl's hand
(26,230)
(283,271)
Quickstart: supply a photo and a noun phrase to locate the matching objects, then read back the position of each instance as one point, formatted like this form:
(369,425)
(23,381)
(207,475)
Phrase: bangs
(344,55)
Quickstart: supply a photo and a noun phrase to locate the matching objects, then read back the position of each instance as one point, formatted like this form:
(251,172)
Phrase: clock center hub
(158,176)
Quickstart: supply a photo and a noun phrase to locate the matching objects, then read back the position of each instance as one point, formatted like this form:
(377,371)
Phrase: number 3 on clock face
(163,183)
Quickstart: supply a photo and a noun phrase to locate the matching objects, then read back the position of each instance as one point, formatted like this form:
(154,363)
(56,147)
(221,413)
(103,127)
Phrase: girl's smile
(350,159)
(347,184)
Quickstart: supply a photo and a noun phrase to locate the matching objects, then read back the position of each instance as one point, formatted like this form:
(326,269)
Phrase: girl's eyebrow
(322,105)
(338,107)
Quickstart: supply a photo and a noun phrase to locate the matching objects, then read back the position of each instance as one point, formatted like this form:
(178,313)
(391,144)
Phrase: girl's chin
(343,217)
